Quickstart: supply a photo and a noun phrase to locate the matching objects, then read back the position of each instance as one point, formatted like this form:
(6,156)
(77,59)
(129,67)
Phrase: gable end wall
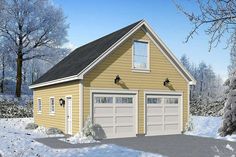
(119,62)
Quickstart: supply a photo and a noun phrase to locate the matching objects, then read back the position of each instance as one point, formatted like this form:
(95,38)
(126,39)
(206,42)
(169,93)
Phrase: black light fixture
(166,82)
(117,79)
(62,102)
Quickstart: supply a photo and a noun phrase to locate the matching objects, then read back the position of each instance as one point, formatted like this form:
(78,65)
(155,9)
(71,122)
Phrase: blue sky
(90,19)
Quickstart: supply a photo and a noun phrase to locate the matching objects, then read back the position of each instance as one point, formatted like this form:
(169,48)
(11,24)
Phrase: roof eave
(57,81)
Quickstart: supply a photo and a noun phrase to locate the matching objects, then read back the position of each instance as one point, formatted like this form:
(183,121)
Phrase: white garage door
(115,114)
(163,114)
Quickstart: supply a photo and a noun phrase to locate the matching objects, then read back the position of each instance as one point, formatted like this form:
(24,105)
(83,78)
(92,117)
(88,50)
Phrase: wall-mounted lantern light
(166,82)
(62,102)
(117,79)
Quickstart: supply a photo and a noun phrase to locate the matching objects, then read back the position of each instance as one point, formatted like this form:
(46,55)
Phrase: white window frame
(147,69)
(50,111)
(39,111)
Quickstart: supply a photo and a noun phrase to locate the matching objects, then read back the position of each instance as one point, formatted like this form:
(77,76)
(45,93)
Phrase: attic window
(140,55)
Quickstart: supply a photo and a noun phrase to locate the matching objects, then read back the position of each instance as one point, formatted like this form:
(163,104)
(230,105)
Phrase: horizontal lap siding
(57,91)
(120,63)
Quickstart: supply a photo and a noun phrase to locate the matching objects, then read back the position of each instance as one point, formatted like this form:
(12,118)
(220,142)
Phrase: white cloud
(70,45)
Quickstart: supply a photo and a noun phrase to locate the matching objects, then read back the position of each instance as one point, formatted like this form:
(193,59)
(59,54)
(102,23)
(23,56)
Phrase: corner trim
(81,100)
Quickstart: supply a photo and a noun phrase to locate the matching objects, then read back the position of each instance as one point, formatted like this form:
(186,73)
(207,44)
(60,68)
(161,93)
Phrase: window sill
(52,113)
(141,70)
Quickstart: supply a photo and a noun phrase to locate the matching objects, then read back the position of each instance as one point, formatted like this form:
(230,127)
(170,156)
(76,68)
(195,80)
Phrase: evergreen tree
(229,117)
(206,97)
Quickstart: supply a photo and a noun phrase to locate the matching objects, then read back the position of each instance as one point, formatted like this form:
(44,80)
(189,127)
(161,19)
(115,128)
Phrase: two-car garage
(116,114)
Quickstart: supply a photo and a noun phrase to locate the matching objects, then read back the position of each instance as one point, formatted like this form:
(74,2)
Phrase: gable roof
(82,59)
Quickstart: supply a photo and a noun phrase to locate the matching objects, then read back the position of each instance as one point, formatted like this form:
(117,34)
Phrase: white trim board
(81,105)
(62,80)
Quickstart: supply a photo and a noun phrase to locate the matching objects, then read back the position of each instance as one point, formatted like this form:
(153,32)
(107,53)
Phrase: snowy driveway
(169,145)
(16,141)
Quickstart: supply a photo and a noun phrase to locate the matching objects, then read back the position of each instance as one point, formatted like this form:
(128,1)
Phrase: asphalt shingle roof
(81,57)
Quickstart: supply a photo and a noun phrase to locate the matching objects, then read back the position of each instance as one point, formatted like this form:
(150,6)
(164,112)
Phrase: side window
(39,105)
(52,105)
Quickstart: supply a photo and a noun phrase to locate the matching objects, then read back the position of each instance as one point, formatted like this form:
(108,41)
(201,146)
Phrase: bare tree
(2,66)
(52,56)
(5,61)
(30,25)
(216,17)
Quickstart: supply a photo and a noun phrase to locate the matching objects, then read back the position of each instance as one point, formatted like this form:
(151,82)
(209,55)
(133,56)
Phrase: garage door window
(154,100)
(124,100)
(103,100)
(171,100)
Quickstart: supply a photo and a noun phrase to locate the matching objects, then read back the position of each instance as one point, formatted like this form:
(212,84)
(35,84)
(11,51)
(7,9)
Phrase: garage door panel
(171,127)
(125,130)
(154,119)
(154,129)
(124,110)
(125,120)
(108,130)
(103,110)
(103,120)
(171,109)
(154,110)
(171,119)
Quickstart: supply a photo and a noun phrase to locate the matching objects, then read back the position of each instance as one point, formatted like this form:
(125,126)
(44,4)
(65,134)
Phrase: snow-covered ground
(208,127)
(15,141)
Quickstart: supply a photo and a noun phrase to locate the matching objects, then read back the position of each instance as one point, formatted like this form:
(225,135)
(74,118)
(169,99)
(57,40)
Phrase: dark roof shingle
(81,57)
